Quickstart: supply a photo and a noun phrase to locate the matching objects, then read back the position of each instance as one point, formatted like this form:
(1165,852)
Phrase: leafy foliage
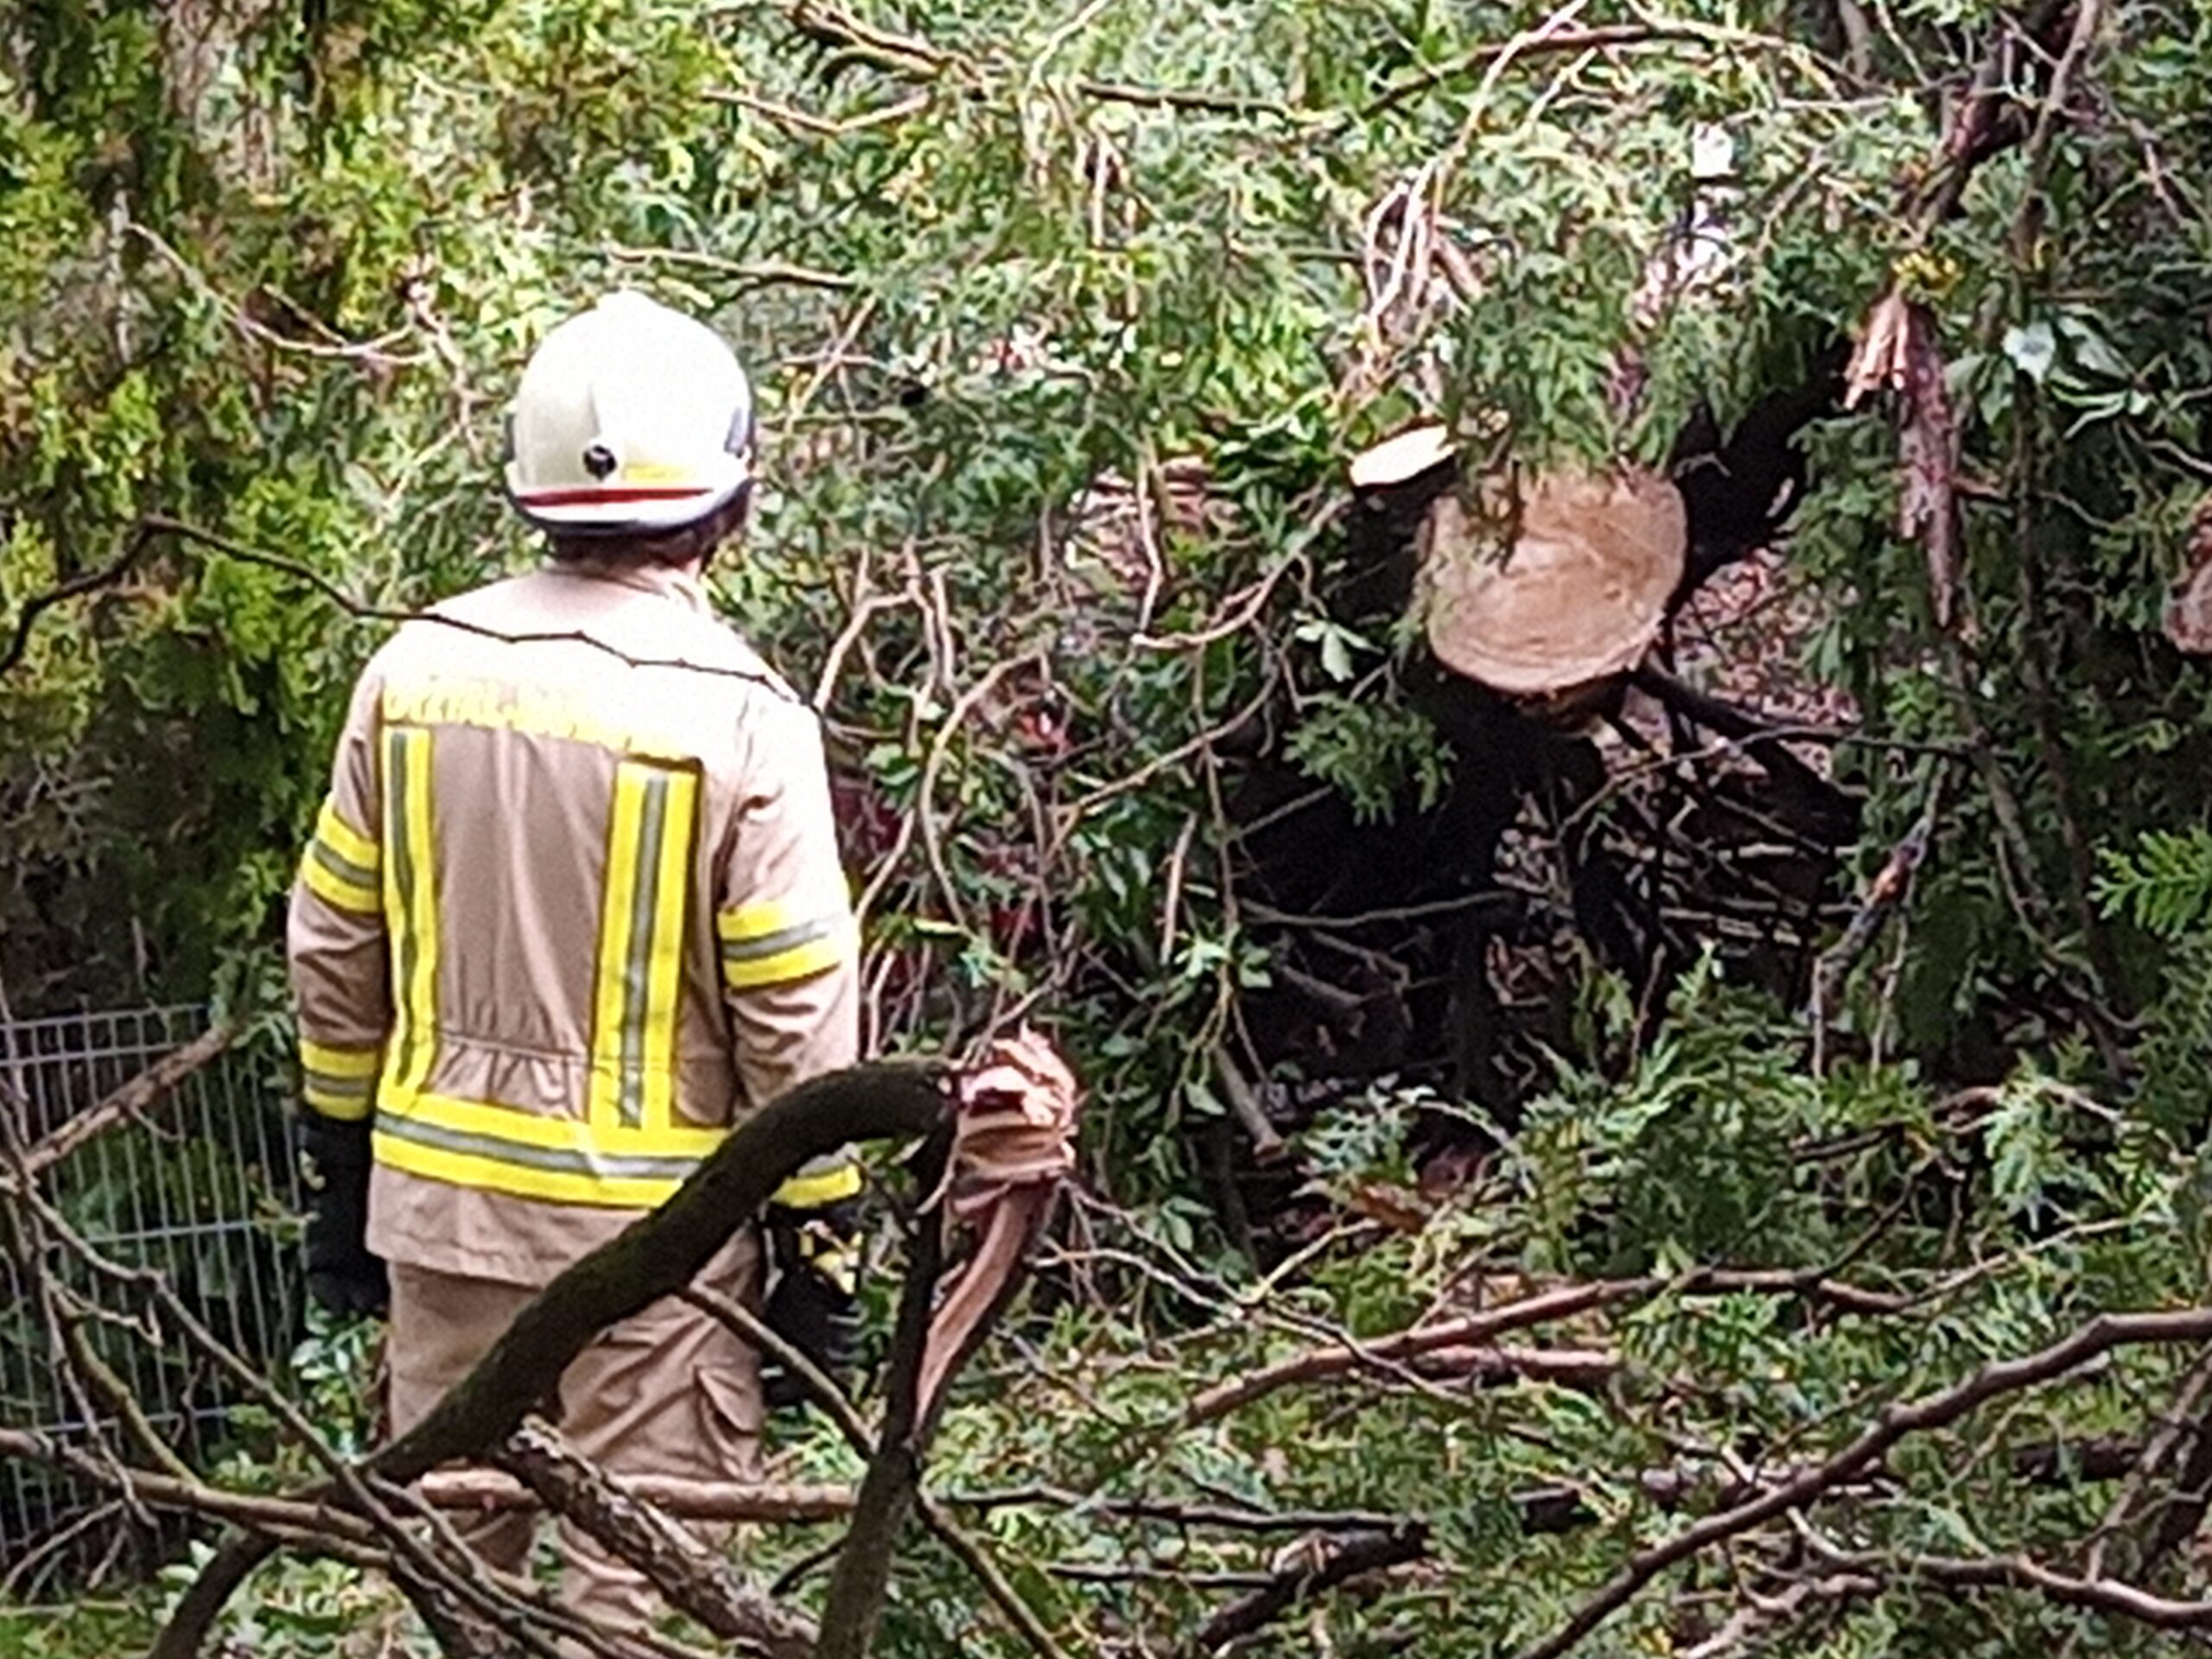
(2027,1211)
(2166,886)
(1064,324)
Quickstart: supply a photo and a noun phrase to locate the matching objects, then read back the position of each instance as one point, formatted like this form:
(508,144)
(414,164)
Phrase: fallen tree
(997,1142)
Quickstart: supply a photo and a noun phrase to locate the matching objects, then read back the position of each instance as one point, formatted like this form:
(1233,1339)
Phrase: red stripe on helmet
(607,498)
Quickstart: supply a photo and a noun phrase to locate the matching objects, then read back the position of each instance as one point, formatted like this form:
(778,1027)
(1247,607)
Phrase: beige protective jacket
(573,908)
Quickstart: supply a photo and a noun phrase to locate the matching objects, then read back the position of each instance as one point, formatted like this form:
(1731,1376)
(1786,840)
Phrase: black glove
(813,1262)
(342,1276)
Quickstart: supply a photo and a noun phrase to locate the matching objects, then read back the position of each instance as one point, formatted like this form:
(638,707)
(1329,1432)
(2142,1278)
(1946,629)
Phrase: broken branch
(1321,1565)
(128,1101)
(1896,1422)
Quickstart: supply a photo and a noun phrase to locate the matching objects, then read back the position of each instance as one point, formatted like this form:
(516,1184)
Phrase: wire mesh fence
(200,1189)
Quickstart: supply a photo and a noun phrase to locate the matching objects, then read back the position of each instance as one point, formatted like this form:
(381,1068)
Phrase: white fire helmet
(631,419)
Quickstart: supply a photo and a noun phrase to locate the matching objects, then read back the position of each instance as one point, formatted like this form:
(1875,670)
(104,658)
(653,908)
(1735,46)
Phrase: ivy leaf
(1336,644)
(2032,349)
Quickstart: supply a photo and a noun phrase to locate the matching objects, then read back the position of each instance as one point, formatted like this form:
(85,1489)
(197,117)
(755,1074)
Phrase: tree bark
(663,1251)
(861,1578)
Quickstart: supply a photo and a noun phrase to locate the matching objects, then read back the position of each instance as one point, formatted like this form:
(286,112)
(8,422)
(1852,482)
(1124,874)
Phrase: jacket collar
(663,580)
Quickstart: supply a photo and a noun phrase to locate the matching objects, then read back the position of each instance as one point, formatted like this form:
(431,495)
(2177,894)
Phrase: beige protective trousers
(668,1392)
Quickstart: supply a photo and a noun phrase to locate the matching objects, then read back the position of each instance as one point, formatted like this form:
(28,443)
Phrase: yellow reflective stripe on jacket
(640,979)
(340,865)
(839,1264)
(496,1128)
(336,1062)
(349,843)
(618,902)
(346,1102)
(335,887)
(410,902)
(664,971)
(339,1082)
(768,944)
(557,1186)
(501,1149)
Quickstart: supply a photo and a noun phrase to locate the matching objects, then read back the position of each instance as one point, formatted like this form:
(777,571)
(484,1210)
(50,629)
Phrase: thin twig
(2023,1572)
(1887,896)
(154,525)
(127,1102)
(1563,41)
(933,763)
(105,575)
(748,273)
(820,126)
(2099,1336)
(1473,1330)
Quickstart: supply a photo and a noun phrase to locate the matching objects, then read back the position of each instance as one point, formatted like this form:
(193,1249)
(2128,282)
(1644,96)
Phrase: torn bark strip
(1897,353)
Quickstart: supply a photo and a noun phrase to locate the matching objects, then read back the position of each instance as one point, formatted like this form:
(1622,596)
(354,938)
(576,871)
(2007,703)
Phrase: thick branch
(831,1401)
(1990,120)
(657,1257)
(693,1577)
(482,1491)
(1548,1509)
(2183,1512)
(1325,1567)
(861,1578)
(663,1251)
(185,1632)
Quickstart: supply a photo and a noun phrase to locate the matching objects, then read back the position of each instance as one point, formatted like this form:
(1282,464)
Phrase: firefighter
(572,908)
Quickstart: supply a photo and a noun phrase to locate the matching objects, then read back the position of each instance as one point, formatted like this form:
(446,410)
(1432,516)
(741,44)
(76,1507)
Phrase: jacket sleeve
(789,943)
(335,950)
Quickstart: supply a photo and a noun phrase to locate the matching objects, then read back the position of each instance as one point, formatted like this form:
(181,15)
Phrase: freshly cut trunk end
(1547,584)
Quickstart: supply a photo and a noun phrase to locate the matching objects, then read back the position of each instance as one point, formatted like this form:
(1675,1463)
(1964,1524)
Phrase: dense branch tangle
(364,1512)
(366,1515)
